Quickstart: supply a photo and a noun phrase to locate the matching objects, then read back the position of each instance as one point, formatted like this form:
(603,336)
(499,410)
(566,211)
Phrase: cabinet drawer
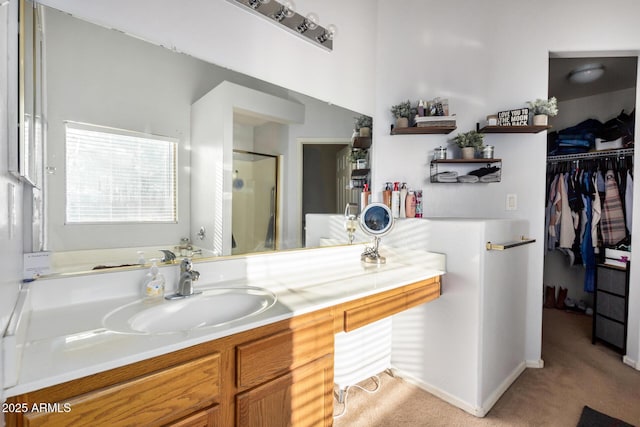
(153,399)
(610,331)
(611,306)
(205,418)
(370,312)
(611,280)
(265,358)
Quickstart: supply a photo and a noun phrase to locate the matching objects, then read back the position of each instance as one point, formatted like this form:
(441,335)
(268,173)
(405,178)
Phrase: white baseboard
(477,411)
(493,397)
(628,361)
(538,364)
(447,397)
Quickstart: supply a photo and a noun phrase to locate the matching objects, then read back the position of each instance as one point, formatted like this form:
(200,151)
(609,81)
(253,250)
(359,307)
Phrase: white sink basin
(214,307)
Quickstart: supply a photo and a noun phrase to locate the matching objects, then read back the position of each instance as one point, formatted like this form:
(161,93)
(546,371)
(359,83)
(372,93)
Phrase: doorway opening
(592,141)
(326,178)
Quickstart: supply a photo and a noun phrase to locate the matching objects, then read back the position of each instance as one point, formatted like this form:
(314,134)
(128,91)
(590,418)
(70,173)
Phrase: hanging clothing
(552,218)
(628,201)
(586,248)
(596,210)
(567,230)
(612,224)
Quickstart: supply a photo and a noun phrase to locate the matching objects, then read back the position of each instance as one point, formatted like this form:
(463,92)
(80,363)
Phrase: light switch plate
(512,202)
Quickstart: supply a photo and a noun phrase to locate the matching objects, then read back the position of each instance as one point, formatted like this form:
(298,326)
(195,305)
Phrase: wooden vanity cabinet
(293,372)
(275,375)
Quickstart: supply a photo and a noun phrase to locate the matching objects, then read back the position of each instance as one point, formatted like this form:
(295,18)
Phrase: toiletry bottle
(410,204)
(395,200)
(403,200)
(386,195)
(365,197)
(153,286)
(418,203)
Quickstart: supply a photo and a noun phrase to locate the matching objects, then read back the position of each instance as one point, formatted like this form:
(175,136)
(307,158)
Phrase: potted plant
(363,125)
(542,109)
(469,143)
(402,113)
(359,157)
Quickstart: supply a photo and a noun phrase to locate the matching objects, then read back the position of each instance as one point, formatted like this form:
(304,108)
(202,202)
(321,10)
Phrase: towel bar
(502,246)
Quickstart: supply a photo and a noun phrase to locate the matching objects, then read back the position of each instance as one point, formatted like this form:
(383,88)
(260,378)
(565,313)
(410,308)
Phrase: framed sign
(519,117)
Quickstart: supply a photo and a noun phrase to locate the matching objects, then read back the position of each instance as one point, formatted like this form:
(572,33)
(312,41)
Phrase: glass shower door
(254,204)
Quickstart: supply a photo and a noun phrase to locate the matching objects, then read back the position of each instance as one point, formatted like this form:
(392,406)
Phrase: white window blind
(116,176)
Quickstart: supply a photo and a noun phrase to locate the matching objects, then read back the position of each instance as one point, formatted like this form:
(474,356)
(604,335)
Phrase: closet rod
(591,155)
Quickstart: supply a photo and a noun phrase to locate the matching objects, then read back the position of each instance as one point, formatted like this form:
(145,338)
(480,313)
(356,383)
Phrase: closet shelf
(592,154)
(511,129)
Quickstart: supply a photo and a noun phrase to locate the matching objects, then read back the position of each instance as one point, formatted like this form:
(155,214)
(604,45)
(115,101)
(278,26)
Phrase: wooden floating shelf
(363,142)
(512,129)
(426,130)
(466,161)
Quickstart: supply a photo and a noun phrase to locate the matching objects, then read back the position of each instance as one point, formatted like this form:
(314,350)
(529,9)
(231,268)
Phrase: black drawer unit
(611,306)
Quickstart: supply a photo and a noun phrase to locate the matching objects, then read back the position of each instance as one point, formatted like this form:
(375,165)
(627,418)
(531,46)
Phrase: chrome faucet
(185,284)
(168,256)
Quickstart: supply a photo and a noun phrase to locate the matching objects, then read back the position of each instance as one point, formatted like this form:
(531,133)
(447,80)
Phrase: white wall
(487,57)
(224,34)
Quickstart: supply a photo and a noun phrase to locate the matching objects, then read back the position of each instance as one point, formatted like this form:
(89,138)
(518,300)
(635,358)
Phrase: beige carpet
(576,373)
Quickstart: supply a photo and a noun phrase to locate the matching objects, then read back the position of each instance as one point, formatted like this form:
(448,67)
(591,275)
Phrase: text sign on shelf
(519,117)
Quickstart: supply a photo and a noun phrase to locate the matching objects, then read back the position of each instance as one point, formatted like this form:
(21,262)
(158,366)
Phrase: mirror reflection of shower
(254,202)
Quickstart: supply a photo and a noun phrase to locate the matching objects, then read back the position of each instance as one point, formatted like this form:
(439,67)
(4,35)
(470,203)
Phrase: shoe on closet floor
(550,297)
(569,303)
(562,295)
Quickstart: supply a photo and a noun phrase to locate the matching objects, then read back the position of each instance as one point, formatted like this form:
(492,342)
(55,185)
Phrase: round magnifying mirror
(376,219)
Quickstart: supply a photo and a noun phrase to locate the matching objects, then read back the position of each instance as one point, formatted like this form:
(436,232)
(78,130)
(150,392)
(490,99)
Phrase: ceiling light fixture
(309,23)
(586,73)
(283,13)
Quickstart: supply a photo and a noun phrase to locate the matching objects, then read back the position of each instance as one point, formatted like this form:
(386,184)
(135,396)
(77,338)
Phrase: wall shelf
(362,142)
(511,129)
(426,130)
(463,167)
(488,161)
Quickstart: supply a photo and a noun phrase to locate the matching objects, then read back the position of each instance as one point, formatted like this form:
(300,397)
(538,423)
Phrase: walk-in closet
(589,192)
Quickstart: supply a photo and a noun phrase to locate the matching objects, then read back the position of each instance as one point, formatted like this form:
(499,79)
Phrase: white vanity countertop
(68,341)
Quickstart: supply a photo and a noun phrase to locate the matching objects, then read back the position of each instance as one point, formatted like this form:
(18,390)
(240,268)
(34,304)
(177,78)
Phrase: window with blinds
(116,176)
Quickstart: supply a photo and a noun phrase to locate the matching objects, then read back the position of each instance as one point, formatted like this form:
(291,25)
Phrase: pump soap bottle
(395,200)
(403,200)
(153,285)
(386,195)
(365,197)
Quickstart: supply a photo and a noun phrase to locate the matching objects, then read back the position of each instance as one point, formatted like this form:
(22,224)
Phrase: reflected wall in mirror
(102,77)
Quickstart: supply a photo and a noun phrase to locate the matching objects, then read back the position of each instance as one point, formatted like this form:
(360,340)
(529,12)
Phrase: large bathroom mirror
(121,116)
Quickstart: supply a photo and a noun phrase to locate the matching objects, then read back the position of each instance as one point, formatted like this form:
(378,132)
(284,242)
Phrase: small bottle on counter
(395,200)
(410,204)
(418,203)
(403,200)
(386,195)
(365,197)
(153,285)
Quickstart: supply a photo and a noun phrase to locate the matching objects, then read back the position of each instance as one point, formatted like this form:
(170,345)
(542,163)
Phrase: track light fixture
(283,13)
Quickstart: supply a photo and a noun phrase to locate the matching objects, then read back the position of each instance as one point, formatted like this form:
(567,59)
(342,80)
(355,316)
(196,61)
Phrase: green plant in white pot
(542,109)
(402,113)
(363,125)
(469,143)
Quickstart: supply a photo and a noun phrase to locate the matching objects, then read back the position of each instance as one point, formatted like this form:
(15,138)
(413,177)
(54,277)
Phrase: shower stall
(254,202)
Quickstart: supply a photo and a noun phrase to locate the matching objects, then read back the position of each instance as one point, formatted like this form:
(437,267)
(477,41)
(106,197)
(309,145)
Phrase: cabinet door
(300,398)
